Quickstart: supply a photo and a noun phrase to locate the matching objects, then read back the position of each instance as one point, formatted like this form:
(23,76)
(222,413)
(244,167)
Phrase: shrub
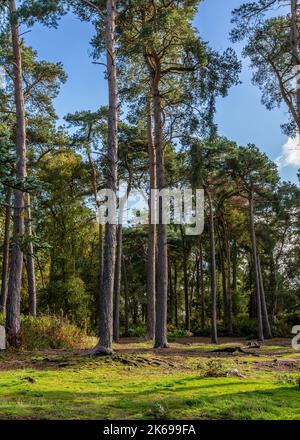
(215,368)
(245,327)
(49,332)
(137,331)
(179,333)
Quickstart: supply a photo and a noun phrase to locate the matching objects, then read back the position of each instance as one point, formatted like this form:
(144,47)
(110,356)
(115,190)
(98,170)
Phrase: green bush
(245,327)
(137,331)
(215,368)
(179,333)
(49,332)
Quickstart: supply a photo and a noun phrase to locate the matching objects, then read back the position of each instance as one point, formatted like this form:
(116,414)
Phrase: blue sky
(240,116)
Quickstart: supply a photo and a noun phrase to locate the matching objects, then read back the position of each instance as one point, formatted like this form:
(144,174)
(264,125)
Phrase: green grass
(82,388)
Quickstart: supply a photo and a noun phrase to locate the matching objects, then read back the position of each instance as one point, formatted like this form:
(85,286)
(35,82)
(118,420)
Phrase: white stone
(2,338)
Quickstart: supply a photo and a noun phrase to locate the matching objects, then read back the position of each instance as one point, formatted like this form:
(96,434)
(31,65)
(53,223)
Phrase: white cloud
(290,155)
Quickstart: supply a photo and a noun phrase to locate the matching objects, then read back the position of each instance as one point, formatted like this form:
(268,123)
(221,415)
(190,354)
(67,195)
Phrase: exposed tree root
(99,350)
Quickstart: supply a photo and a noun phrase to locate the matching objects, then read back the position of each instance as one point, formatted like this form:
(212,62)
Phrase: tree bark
(117,285)
(175,297)
(214,331)
(186,281)
(265,317)
(126,293)
(151,260)
(255,268)
(228,289)
(5,258)
(16,260)
(162,249)
(104,345)
(30,264)
(274,287)
(202,288)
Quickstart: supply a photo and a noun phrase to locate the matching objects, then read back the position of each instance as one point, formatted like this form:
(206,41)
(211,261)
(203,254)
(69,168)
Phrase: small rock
(235,373)
(30,379)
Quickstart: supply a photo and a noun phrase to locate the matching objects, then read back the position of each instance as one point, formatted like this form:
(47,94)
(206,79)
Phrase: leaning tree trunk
(151,260)
(214,331)
(104,345)
(117,285)
(5,258)
(16,260)
(255,269)
(265,317)
(162,245)
(30,266)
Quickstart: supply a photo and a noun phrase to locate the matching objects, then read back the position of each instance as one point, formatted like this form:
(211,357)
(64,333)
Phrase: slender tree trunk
(228,289)
(255,269)
(234,267)
(126,293)
(117,285)
(162,245)
(106,297)
(224,285)
(274,287)
(186,281)
(5,258)
(265,317)
(16,260)
(202,288)
(171,307)
(151,260)
(175,297)
(30,264)
(214,331)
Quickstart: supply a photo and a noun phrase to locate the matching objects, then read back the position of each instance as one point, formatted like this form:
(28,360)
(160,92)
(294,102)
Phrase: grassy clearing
(151,384)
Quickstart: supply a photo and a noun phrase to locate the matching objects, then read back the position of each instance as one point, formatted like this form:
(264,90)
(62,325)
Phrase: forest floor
(189,380)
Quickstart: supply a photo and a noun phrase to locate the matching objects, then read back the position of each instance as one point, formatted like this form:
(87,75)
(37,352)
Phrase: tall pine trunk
(264,310)
(214,331)
(104,345)
(185,280)
(117,284)
(162,249)
(30,264)
(274,286)
(202,288)
(255,269)
(5,255)
(151,260)
(228,289)
(16,260)
(126,294)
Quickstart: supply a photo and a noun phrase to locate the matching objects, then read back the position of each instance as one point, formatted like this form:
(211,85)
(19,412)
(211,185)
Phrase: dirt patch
(278,365)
